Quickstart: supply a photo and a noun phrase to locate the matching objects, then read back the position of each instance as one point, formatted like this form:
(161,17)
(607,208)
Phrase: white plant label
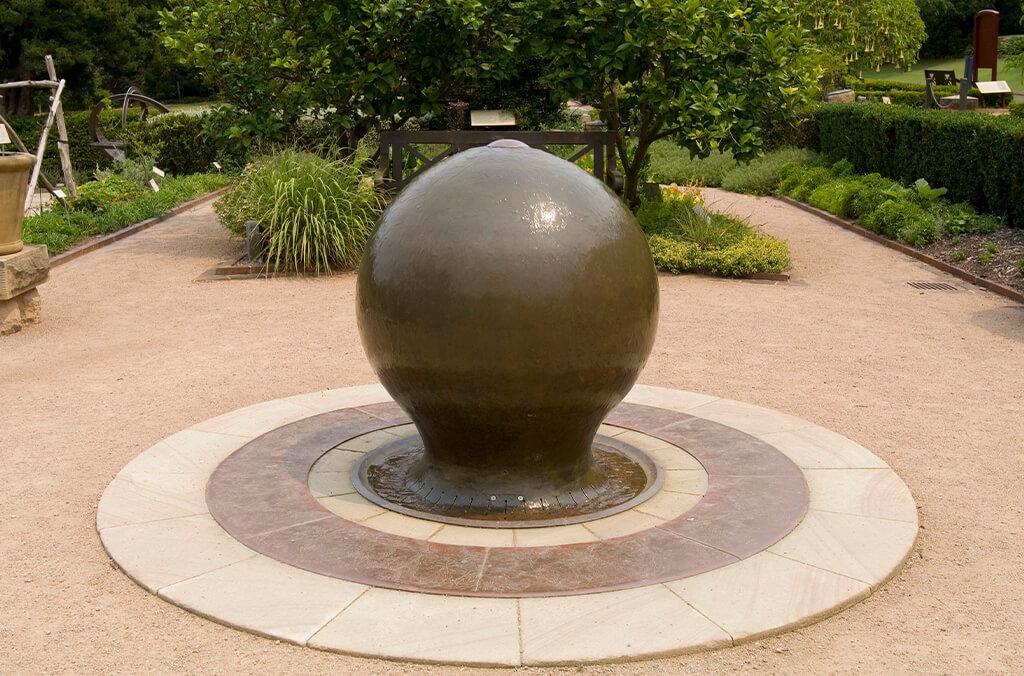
(59,194)
(216,165)
(4,138)
(159,172)
(153,185)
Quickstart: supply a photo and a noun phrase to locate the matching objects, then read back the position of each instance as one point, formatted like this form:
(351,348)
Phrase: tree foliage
(363,63)
(866,34)
(949,23)
(705,73)
(97,45)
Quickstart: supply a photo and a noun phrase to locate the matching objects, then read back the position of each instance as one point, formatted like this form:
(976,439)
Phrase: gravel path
(132,350)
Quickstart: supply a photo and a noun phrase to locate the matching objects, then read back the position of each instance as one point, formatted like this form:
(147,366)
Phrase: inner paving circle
(331,482)
(272,493)
(397,477)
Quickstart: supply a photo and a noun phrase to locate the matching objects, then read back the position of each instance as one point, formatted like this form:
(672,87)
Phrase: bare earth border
(1005,291)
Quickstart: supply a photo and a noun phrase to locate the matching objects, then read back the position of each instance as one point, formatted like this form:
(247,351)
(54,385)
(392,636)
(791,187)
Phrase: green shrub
(807,182)
(1020,266)
(683,239)
(976,157)
(836,196)
(96,195)
(60,229)
(672,164)
(763,175)
(903,220)
(316,213)
(1017,109)
(1012,46)
(870,192)
(755,253)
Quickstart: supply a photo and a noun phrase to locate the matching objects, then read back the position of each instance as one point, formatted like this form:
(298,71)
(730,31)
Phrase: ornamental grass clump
(315,213)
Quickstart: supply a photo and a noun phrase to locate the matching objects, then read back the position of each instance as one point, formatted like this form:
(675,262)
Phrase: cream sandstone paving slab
(667,505)
(400,524)
(610,430)
(474,537)
(352,506)
(620,525)
(661,397)
(767,593)
(187,452)
(673,457)
(555,535)
(425,628)
(753,420)
(613,626)
(252,421)
(337,460)
(151,497)
(326,484)
(864,548)
(344,397)
(266,597)
(878,493)
(819,448)
(692,481)
(161,553)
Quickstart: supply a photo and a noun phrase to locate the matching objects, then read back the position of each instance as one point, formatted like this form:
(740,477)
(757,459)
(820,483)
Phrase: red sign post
(986,42)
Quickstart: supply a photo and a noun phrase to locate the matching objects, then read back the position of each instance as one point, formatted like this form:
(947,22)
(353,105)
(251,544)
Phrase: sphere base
(400,477)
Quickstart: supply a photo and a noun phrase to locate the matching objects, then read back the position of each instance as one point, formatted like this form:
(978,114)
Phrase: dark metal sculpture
(132,97)
(508,301)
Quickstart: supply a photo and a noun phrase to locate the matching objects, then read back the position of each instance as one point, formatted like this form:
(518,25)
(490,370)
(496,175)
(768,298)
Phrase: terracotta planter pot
(14,173)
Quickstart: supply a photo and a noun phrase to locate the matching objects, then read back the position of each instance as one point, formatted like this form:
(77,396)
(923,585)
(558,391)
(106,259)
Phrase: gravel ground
(132,349)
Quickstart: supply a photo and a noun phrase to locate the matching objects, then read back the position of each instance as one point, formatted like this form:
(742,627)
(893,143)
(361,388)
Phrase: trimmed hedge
(978,158)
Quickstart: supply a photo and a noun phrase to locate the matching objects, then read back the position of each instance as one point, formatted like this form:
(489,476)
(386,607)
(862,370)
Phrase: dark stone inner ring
(756,495)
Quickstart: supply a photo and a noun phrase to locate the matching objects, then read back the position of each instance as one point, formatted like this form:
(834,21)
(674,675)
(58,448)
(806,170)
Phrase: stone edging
(106,240)
(1005,291)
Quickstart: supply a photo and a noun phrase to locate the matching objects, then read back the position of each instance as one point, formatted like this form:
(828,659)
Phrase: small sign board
(153,186)
(4,137)
(996,87)
(60,194)
(216,165)
(492,118)
(159,172)
(887,100)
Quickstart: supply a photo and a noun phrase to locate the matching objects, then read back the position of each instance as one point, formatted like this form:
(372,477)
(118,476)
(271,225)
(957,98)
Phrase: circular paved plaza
(762,522)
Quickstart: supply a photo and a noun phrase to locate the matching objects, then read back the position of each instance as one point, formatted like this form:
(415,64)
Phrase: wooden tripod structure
(55,114)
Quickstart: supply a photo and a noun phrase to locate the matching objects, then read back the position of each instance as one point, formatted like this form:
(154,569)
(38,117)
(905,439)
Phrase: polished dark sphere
(507,301)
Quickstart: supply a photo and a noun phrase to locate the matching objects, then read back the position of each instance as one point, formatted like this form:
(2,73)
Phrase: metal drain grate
(933,286)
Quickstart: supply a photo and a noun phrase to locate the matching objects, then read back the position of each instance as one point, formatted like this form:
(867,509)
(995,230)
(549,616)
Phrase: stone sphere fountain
(507,301)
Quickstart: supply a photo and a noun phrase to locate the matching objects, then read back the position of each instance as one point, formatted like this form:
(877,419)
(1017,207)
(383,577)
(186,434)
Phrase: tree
(361,65)
(96,45)
(949,23)
(866,33)
(705,73)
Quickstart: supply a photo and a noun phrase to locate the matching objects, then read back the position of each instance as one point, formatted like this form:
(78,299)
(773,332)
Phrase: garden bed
(997,256)
(61,229)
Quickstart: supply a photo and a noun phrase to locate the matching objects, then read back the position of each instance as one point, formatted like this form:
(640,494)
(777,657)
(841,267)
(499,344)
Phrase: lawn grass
(60,229)
(916,74)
